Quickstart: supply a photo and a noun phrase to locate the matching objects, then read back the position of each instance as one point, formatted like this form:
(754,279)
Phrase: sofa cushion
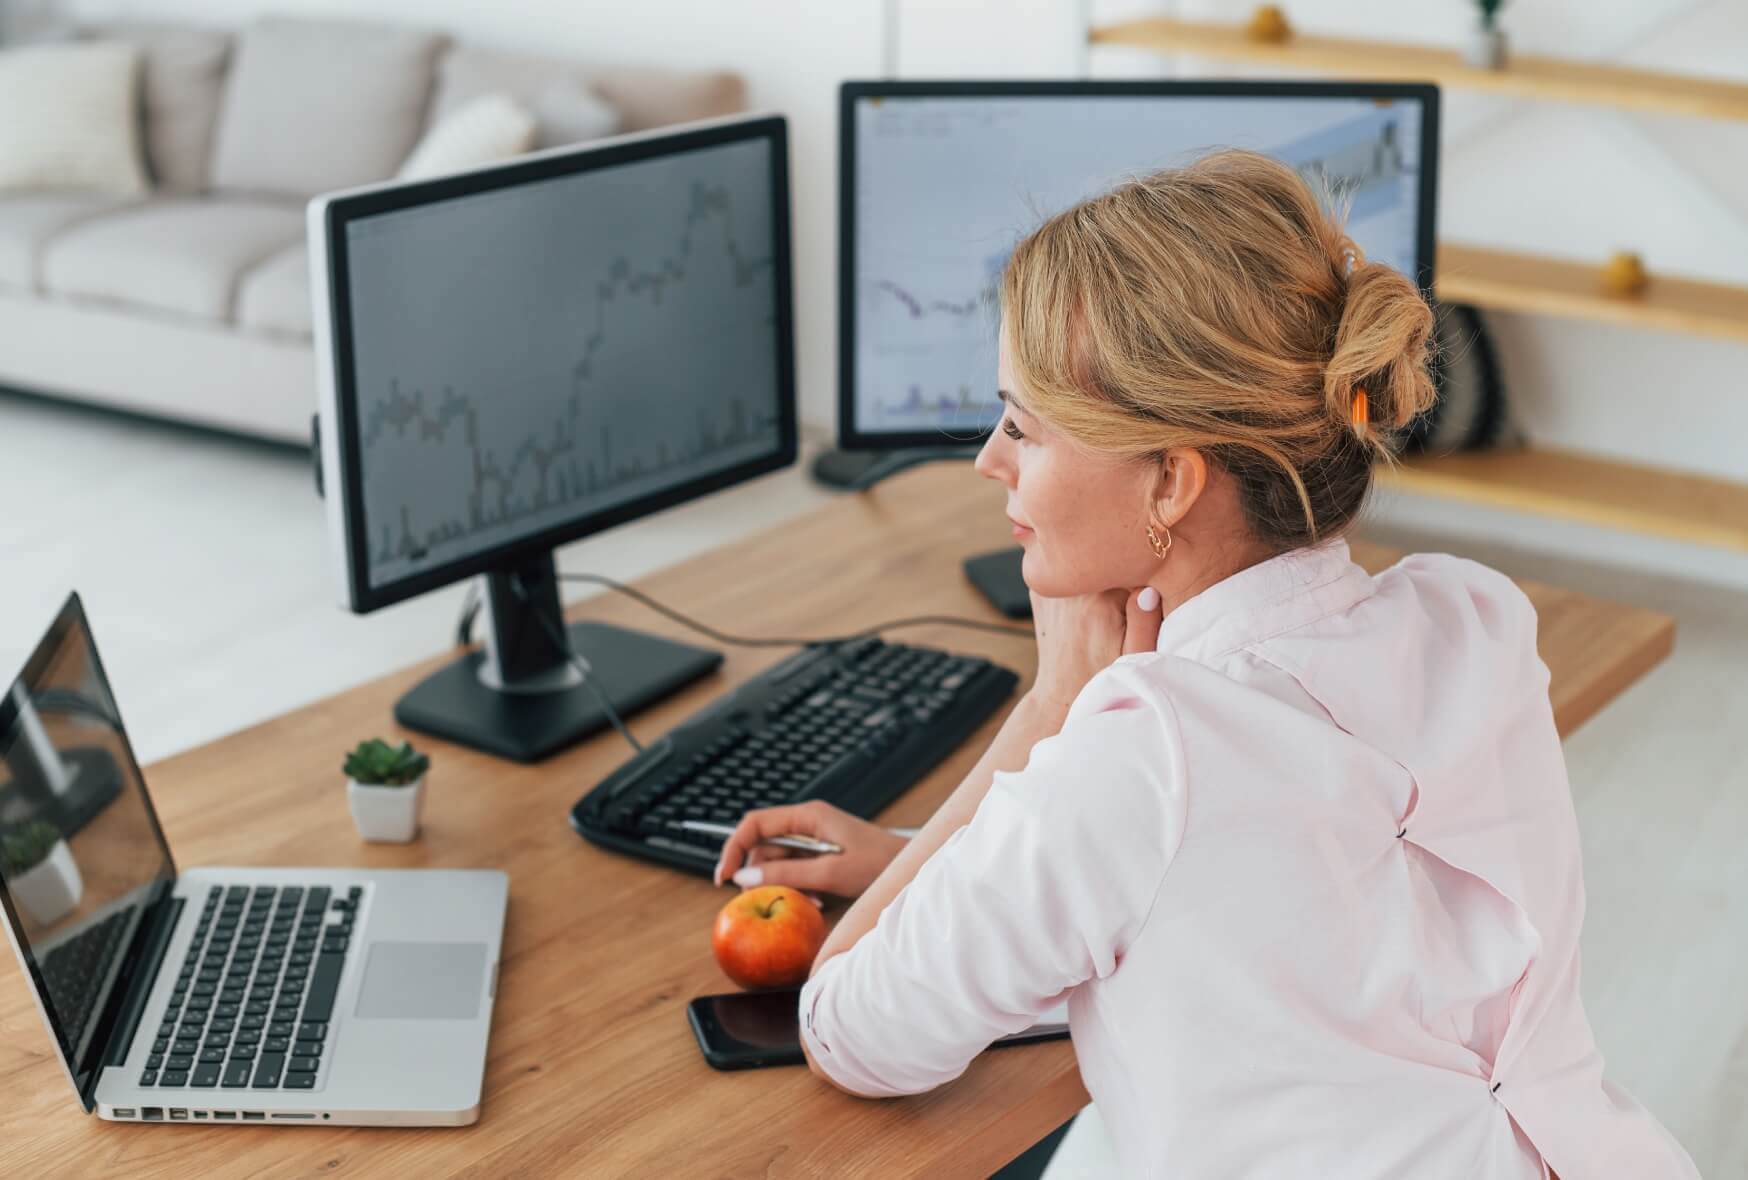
(29,220)
(181,81)
(313,106)
(275,295)
(557,93)
(69,118)
(646,97)
(183,255)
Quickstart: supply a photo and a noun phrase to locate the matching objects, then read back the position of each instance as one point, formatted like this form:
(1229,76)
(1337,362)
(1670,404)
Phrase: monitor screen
(941,180)
(81,853)
(547,349)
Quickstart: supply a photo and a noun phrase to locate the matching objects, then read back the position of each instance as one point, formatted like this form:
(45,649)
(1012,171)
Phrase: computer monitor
(939,180)
(518,356)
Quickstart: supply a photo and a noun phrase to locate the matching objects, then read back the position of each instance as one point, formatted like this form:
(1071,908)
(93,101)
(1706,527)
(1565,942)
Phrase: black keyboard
(256,989)
(75,971)
(854,723)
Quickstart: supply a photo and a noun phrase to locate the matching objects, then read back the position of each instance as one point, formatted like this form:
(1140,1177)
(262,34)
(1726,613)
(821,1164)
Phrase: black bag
(1470,413)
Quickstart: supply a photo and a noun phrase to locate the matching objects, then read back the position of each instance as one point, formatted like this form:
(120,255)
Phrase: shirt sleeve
(1043,890)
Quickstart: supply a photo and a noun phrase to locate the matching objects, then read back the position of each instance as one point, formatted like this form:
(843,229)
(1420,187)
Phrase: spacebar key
(324,984)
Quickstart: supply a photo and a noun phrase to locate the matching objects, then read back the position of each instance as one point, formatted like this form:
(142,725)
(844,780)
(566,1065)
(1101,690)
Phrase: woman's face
(1083,518)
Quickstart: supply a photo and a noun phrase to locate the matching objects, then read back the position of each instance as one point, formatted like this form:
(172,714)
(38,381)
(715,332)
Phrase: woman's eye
(1008,428)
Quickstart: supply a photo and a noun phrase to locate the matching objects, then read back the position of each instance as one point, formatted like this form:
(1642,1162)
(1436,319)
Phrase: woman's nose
(990,463)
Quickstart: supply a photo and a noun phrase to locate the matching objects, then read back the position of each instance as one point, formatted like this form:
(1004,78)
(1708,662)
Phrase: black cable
(470,608)
(784,641)
(464,628)
(557,636)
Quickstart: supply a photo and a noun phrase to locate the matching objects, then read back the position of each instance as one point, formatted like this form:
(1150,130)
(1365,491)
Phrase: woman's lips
(1020,530)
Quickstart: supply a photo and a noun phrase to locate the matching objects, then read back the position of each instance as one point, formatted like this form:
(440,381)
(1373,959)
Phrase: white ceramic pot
(1485,48)
(388,815)
(50,890)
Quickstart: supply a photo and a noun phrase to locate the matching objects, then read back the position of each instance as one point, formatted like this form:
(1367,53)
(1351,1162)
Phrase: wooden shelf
(1551,286)
(1523,76)
(1611,493)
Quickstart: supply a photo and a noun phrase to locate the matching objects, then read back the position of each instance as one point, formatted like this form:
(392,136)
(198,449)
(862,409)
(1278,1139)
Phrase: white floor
(203,563)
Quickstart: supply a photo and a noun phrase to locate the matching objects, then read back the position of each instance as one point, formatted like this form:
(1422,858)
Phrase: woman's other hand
(1080,637)
(867,850)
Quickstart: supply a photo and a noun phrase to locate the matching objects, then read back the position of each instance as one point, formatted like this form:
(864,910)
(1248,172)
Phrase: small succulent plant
(28,845)
(377,763)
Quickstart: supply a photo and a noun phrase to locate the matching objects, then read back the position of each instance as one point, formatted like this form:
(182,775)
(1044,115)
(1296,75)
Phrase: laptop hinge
(140,971)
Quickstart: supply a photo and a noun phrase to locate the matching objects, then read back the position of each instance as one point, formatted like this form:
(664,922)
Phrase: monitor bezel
(336,212)
(84,1074)
(851,437)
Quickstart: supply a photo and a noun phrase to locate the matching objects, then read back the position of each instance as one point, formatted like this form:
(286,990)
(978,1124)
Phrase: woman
(1294,842)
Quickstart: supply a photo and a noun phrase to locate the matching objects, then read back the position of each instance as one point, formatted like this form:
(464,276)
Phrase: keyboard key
(181,1060)
(185,1045)
(161,1045)
(149,1078)
(212,1056)
(242,1052)
(300,1081)
(277,1045)
(281,1028)
(237,1074)
(206,1075)
(302,1065)
(268,1070)
(155,1061)
(174,1077)
(306,1049)
(311,1031)
(249,1036)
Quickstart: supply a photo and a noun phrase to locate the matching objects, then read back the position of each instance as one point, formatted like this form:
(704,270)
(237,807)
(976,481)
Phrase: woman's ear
(1179,482)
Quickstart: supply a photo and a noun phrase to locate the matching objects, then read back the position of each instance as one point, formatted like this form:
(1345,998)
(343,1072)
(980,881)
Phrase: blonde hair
(1220,306)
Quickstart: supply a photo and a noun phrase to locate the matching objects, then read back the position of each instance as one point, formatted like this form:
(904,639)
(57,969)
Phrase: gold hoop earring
(1159,549)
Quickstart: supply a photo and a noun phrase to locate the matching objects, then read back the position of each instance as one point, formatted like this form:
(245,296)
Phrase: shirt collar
(1265,599)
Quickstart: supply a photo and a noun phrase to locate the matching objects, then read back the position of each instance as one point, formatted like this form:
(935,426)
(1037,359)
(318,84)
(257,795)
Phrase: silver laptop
(224,995)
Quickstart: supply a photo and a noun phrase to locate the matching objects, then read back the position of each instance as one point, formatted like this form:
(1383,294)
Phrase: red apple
(767,937)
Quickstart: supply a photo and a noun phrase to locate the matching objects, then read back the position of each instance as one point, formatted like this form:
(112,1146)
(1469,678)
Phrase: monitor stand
(522,696)
(998,576)
(856,471)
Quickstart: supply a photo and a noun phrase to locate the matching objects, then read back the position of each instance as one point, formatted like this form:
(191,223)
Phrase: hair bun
(1377,373)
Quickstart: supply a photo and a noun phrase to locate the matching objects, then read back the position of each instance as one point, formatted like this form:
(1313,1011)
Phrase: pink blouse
(1308,879)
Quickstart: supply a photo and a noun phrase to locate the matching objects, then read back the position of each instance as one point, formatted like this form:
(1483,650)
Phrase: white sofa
(193,301)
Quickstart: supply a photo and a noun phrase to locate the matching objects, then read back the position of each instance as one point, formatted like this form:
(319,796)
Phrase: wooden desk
(593,1071)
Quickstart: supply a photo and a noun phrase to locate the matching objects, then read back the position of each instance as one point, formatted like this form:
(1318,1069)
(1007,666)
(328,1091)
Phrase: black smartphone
(750,1030)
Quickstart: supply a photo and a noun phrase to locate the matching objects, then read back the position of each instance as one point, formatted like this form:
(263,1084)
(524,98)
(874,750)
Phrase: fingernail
(748,877)
(1148,599)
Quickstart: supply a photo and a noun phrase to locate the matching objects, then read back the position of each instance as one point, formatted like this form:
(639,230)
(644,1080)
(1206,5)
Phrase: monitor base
(998,576)
(854,471)
(634,669)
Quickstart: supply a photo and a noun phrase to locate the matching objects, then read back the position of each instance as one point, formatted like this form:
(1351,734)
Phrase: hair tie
(1361,411)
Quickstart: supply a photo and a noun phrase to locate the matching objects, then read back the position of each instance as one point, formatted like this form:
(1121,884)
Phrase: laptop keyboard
(254,994)
(75,970)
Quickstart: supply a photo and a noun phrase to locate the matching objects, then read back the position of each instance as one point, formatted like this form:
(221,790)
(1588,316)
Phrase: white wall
(1564,180)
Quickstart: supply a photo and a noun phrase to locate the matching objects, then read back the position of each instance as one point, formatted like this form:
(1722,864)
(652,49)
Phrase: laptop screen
(81,854)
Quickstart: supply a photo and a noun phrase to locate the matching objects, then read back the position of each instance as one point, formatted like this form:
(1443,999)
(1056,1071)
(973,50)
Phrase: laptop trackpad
(423,981)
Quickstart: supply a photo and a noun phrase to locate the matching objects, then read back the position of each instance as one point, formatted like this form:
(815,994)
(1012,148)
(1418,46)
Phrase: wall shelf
(1608,492)
(1508,281)
(1524,76)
